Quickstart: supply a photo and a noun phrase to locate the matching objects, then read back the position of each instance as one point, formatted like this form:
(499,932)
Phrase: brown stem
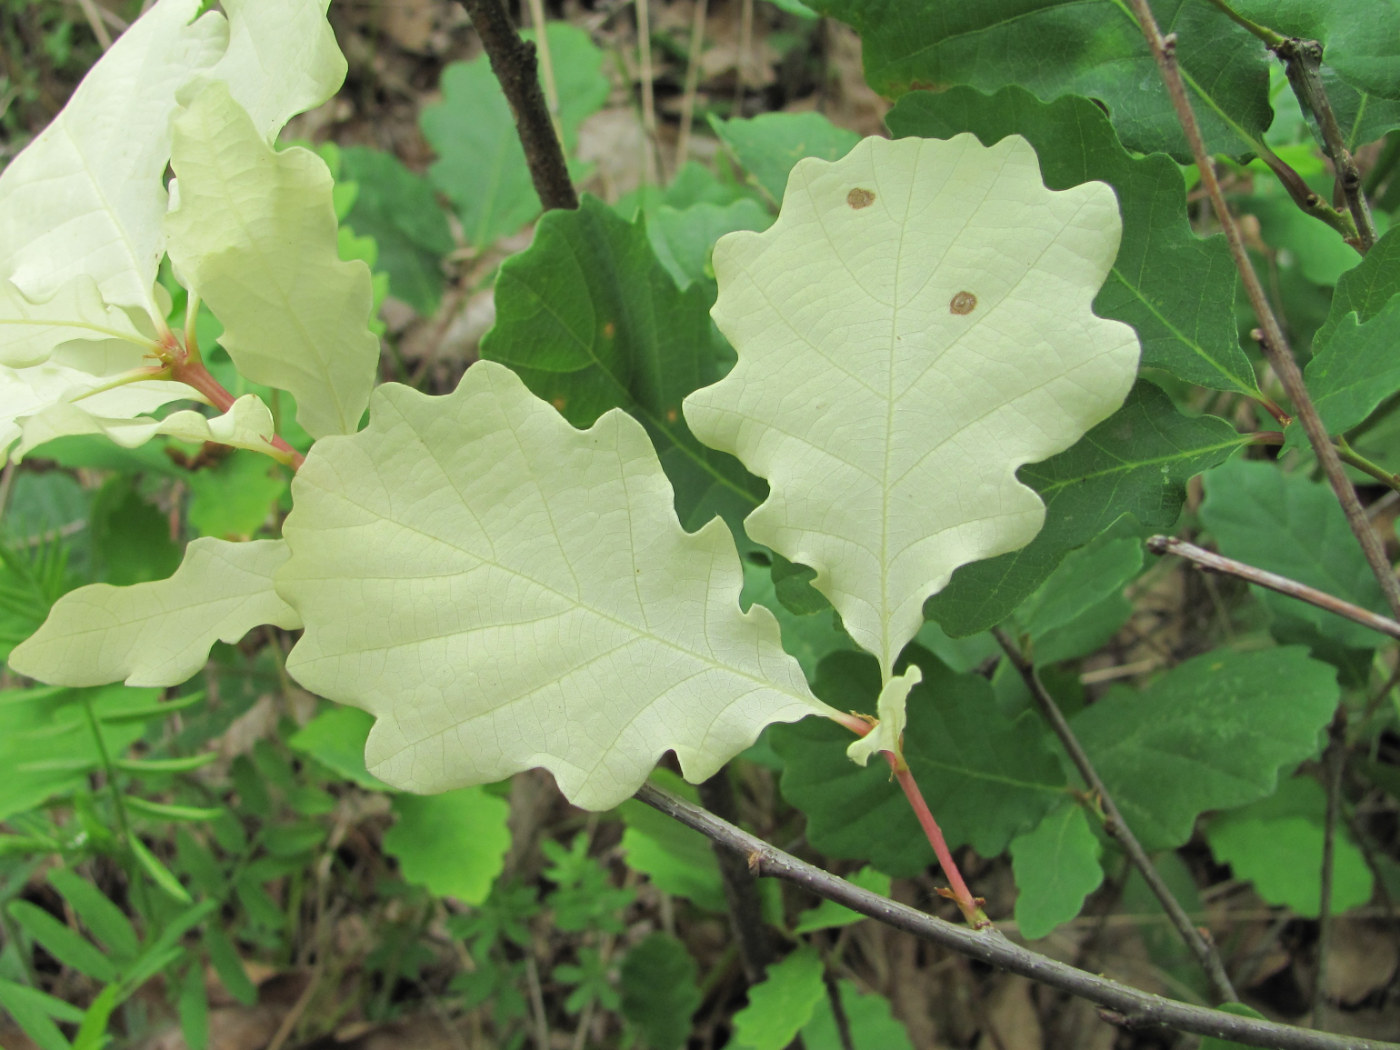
(1275,346)
(1133,1008)
(1117,827)
(1282,584)
(1302,61)
(513,62)
(740,886)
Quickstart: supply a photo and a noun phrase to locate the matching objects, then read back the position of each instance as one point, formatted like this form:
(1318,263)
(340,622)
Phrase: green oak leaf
(1056,866)
(481,165)
(660,990)
(254,235)
(472,568)
(1277,844)
(913,328)
(683,238)
(987,778)
(1073,47)
(453,844)
(1367,287)
(1291,525)
(592,320)
(782,1002)
(1357,38)
(159,633)
(1353,369)
(767,146)
(1177,290)
(1135,462)
(398,209)
(1211,733)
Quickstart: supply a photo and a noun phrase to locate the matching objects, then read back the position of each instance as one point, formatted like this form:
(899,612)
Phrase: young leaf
(247,424)
(472,568)
(869,1020)
(1211,733)
(97,912)
(159,633)
(87,192)
(64,943)
(282,59)
(246,211)
(1176,289)
(913,328)
(1092,48)
(31,331)
(1056,866)
(454,844)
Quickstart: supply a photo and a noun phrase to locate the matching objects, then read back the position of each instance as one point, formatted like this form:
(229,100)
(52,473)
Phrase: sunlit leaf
(158,633)
(913,328)
(472,568)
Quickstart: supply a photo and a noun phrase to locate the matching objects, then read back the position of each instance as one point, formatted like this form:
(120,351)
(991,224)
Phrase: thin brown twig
(513,61)
(1213,562)
(1117,827)
(1302,61)
(1134,1008)
(1272,340)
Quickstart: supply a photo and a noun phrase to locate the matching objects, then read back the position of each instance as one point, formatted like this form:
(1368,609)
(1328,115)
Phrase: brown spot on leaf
(671,415)
(963,303)
(559,403)
(609,330)
(860,198)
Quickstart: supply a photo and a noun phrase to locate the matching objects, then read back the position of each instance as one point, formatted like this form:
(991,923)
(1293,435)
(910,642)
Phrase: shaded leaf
(1276,844)
(1056,867)
(1291,525)
(986,778)
(1135,462)
(660,991)
(1054,47)
(591,320)
(1211,733)
(481,165)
